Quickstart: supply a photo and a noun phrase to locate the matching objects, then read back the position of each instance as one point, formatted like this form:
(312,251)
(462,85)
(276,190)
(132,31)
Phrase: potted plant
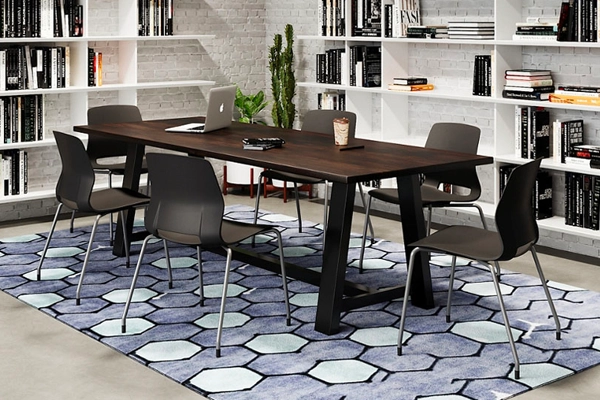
(250,105)
(283,80)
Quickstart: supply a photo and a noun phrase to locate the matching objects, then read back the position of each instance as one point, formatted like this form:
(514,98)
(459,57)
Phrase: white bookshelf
(393,122)
(128,84)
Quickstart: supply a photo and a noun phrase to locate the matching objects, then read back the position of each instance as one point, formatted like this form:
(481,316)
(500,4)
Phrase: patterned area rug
(168,331)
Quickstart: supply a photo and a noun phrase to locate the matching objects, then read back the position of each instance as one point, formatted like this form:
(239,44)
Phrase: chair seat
(110,200)
(429,195)
(231,232)
(286,176)
(117,168)
(464,241)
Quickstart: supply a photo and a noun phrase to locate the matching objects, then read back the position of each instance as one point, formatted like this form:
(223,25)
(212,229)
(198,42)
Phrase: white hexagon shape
(278,218)
(41,300)
(535,375)
(486,288)
(276,343)
(304,299)
(215,291)
(373,263)
(298,251)
(565,287)
(168,351)
(446,261)
(112,327)
(484,331)
(259,239)
(230,320)
(120,296)
(21,239)
(226,379)
(176,262)
(596,344)
(61,252)
(343,371)
(49,274)
(446,397)
(383,336)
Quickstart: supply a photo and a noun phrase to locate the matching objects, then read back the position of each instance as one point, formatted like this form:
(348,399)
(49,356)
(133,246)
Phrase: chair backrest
(186,202)
(461,138)
(515,219)
(321,121)
(99,147)
(77,177)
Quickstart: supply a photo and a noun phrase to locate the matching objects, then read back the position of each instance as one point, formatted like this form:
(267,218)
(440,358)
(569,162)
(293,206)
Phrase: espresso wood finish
(316,155)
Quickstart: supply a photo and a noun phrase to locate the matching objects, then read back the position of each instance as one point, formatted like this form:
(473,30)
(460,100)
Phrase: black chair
(517,234)
(314,121)
(443,136)
(100,150)
(187,208)
(75,190)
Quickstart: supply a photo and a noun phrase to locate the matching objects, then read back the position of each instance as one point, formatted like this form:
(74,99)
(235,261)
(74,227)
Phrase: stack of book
(532,132)
(578,21)
(482,75)
(528,84)
(365,66)
(470,30)
(262,143)
(399,16)
(585,95)
(155,18)
(94,68)
(14,176)
(582,196)
(427,32)
(331,15)
(585,155)
(566,134)
(331,100)
(41,18)
(410,84)
(366,18)
(536,29)
(332,66)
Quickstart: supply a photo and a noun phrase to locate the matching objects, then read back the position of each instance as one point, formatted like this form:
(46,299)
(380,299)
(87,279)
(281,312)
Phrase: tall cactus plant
(283,81)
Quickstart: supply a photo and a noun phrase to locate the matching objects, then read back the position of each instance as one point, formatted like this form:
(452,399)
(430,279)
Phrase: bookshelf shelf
(386,115)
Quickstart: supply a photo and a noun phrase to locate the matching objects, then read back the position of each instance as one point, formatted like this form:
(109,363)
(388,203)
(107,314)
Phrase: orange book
(410,88)
(574,99)
(98,68)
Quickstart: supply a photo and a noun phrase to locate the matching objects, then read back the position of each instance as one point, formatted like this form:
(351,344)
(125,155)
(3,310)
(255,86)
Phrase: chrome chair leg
(429,214)
(39,268)
(362,198)
(288,318)
(411,265)
(168,261)
(125,239)
(133,283)
(364,236)
(298,207)
(538,266)
(223,300)
(86,260)
(110,226)
(450,289)
(256,203)
(200,276)
(72,221)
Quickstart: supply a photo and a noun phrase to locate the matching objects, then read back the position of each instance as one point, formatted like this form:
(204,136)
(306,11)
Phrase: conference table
(316,155)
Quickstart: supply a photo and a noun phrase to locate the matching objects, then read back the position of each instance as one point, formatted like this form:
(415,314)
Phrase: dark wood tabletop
(306,153)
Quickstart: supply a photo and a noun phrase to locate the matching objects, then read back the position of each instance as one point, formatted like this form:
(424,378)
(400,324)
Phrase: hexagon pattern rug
(170,332)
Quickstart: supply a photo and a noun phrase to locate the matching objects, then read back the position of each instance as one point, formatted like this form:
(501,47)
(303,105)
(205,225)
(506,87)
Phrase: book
(411,80)
(263,141)
(539,89)
(574,99)
(526,83)
(570,93)
(535,37)
(405,13)
(527,72)
(578,90)
(540,134)
(470,24)
(410,88)
(514,94)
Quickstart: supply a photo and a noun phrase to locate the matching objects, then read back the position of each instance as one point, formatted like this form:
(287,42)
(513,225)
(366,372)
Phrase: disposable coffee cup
(341,128)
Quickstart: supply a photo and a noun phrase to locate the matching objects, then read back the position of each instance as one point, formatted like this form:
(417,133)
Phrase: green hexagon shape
(596,344)
(176,262)
(343,371)
(278,218)
(486,288)
(304,299)
(276,343)
(535,375)
(298,251)
(112,327)
(376,337)
(21,239)
(49,274)
(445,397)
(446,261)
(215,291)
(230,320)
(168,351)
(260,239)
(226,379)
(61,252)
(373,263)
(41,300)
(120,296)
(484,331)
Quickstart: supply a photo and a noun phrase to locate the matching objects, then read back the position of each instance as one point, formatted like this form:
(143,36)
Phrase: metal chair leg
(411,265)
(298,207)
(39,268)
(125,238)
(362,198)
(450,289)
(133,283)
(325,211)
(168,261)
(288,317)
(511,340)
(223,300)
(85,261)
(538,266)
(364,236)
(200,276)
(429,214)
(256,203)
(72,221)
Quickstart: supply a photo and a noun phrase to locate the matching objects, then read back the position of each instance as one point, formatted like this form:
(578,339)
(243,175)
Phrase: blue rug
(263,358)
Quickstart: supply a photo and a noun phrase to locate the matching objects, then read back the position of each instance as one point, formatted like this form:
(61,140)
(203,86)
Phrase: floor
(41,358)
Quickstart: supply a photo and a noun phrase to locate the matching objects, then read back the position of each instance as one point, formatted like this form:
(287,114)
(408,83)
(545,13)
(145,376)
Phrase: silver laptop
(218,116)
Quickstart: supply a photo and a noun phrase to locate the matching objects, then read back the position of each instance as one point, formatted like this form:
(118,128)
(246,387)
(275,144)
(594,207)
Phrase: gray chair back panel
(322,121)
(99,147)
